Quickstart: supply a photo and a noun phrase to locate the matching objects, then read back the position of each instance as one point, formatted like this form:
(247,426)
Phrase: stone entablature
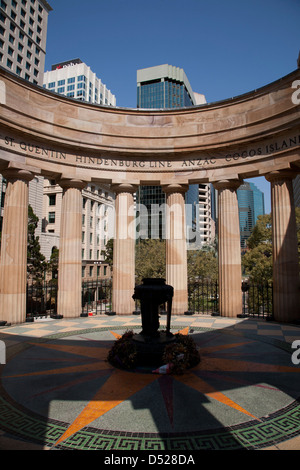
(245,136)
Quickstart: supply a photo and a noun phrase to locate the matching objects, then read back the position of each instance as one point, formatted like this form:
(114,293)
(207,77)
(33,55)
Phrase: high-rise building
(166,86)
(23,35)
(75,79)
(251,205)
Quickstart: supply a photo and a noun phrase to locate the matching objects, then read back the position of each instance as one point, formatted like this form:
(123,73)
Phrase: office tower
(75,79)
(165,86)
(23,35)
(251,205)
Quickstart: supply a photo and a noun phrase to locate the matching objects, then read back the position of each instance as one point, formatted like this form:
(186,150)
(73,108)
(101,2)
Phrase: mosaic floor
(59,391)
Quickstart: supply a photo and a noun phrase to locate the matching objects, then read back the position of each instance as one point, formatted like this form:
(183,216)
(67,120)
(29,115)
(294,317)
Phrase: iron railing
(203,298)
(258,300)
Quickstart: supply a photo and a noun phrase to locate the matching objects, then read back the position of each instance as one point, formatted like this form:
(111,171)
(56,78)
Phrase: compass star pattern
(223,390)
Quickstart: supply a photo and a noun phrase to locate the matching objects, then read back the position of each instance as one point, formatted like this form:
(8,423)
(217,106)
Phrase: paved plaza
(59,392)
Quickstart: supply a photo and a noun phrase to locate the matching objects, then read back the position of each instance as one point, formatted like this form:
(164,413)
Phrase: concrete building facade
(23,36)
(75,79)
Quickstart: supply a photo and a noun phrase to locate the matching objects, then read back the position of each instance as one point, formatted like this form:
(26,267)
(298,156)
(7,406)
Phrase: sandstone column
(13,264)
(286,299)
(70,259)
(124,250)
(176,254)
(230,273)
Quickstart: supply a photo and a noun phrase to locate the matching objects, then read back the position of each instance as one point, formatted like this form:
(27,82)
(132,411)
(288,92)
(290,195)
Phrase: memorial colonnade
(13,266)
(76,143)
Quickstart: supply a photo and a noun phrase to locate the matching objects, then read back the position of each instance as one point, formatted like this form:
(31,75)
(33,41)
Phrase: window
(22,24)
(19,59)
(3,5)
(20,47)
(11,39)
(71,87)
(18,71)
(51,85)
(91,271)
(10,51)
(13,15)
(61,90)
(35,72)
(51,217)
(52,199)
(61,82)
(14,3)
(81,78)
(71,80)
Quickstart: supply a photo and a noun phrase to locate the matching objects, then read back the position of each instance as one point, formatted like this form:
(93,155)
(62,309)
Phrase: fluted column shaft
(176,254)
(124,250)
(230,273)
(286,299)
(70,259)
(13,264)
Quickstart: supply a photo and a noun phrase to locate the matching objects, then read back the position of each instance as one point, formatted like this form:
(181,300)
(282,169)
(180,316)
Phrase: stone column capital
(67,183)
(278,175)
(124,188)
(14,174)
(175,188)
(233,184)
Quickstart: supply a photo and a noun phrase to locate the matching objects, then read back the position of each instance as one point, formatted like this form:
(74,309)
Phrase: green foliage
(36,261)
(262,232)
(108,252)
(150,259)
(257,263)
(202,264)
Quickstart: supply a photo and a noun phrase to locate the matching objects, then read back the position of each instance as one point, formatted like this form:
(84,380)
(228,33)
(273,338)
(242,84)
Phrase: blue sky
(226,48)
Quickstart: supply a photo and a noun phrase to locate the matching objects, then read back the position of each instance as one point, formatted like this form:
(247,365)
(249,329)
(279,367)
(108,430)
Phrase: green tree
(108,252)
(52,265)
(36,261)
(202,265)
(150,260)
(257,263)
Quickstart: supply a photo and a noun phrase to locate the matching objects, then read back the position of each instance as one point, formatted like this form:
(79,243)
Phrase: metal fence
(203,298)
(258,300)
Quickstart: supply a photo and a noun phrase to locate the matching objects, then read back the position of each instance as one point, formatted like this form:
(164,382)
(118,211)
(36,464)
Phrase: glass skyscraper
(160,87)
(251,205)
